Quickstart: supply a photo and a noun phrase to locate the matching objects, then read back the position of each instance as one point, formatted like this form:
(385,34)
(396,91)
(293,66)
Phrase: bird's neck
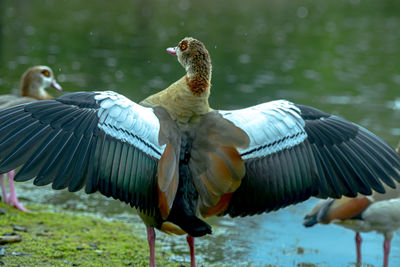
(182,105)
(186,100)
(34,90)
(198,77)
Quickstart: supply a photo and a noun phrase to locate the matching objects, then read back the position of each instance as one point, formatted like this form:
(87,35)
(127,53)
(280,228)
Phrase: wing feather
(297,151)
(66,165)
(98,140)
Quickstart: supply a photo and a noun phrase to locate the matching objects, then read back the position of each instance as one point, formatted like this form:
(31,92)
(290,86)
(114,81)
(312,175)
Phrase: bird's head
(36,79)
(318,214)
(192,54)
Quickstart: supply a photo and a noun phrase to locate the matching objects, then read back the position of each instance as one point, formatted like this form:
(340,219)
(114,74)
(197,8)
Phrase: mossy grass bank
(51,238)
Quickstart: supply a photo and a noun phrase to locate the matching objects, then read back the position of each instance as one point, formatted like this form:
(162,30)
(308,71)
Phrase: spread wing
(100,140)
(297,151)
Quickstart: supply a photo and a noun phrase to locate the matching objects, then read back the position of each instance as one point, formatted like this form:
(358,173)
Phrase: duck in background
(34,82)
(174,158)
(378,212)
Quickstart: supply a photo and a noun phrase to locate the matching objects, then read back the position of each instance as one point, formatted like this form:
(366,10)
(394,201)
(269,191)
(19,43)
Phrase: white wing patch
(127,121)
(271,127)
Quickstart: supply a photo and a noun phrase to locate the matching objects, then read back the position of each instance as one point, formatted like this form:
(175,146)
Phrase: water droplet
(184,4)
(302,12)
(111,62)
(51,59)
(61,77)
(246,88)
(10,12)
(12,65)
(30,30)
(76,65)
(119,75)
(330,26)
(395,131)
(244,59)
(231,78)
(312,74)
(53,49)
(396,78)
(23,60)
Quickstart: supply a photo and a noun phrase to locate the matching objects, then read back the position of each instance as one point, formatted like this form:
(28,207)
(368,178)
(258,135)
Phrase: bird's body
(33,88)
(10,100)
(380,216)
(378,212)
(173,158)
(185,108)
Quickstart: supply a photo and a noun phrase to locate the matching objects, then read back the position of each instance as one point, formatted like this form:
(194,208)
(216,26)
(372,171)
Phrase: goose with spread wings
(174,158)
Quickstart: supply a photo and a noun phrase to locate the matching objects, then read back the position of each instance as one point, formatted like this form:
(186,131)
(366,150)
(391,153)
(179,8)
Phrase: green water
(339,56)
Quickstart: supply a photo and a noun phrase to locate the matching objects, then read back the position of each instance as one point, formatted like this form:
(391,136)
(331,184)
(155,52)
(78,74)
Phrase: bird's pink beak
(172,50)
(54,84)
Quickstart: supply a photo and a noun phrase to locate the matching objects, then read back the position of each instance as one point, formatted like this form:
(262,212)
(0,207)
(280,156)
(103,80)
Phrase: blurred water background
(339,56)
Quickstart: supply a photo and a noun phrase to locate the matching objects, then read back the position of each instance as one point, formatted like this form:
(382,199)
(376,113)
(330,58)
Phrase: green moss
(62,239)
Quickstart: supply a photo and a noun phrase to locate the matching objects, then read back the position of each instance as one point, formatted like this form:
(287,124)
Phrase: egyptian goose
(172,157)
(34,82)
(378,212)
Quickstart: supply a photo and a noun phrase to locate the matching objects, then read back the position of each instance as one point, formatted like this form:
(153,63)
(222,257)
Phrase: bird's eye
(183,46)
(46,73)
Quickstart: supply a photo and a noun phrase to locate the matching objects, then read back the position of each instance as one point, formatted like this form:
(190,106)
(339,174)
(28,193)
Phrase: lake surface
(339,56)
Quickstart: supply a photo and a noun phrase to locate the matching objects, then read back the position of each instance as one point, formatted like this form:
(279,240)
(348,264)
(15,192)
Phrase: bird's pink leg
(190,240)
(358,248)
(3,188)
(12,199)
(151,238)
(386,251)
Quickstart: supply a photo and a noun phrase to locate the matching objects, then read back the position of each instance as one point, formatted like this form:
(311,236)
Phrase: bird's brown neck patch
(197,85)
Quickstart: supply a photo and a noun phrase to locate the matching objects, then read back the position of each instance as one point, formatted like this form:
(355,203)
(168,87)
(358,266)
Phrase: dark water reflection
(339,56)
